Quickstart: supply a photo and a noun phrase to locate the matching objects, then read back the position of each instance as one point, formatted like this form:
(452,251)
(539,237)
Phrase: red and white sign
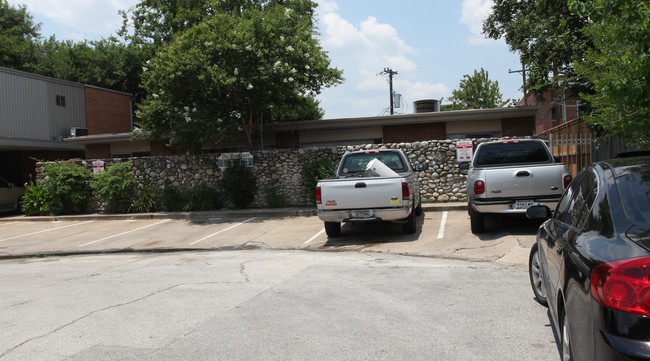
(98,166)
(464,150)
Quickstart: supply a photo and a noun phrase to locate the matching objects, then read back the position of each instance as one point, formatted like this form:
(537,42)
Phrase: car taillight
(623,285)
(479,187)
(319,198)
(567,180)
(405,191)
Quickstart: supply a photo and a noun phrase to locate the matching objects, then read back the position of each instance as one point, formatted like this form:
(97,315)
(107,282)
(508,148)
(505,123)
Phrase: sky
(431,44)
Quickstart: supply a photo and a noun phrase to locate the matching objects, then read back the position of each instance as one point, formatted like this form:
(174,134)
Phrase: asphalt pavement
(447,235)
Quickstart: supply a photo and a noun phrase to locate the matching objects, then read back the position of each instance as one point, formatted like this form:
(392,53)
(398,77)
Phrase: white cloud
(363,51)
(473,13)
(86,18)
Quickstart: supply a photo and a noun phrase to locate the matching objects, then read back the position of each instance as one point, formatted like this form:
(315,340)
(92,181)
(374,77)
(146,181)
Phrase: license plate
(362,214)
(523,204)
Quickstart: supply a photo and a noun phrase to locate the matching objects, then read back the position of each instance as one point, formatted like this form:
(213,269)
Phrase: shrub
(315,170)
(203,198)
(146,200)
(66,187)
(172,200)
(239,183)
(115,187)
(34,200)
(273,198)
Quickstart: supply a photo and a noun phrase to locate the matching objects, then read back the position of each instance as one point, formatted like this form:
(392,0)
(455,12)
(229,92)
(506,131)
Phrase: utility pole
(390,73)
(523,75)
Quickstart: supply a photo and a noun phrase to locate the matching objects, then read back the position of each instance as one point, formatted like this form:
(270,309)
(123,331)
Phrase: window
(60,100)
(358,162)
(576,204)
(512,152)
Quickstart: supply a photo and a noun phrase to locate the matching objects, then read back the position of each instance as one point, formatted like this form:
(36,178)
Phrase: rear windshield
(634,189)
(357,162)
(512,152)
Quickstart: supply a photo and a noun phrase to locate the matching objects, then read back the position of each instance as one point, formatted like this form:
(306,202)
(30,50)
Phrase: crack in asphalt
(8,351)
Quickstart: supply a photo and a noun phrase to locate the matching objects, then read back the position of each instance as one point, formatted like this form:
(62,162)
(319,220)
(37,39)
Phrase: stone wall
(281,170)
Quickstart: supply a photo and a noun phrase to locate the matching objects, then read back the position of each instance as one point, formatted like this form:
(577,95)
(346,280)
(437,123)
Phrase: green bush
(146,200)
(66,187)
(239,183)
(203,198)
(115,187)
(315,170)
(273,198)
(172,200)
(34,200)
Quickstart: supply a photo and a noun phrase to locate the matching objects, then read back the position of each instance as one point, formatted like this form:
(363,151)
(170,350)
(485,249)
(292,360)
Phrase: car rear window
(512,152)
(634,189)
(357,162)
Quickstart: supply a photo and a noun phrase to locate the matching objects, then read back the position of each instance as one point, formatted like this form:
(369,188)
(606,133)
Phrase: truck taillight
(623,285)
(567,180)
(479,187)
(405,191)
(319,198)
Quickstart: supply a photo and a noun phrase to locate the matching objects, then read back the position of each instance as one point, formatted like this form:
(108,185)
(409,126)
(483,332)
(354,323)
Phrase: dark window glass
(512,153)
(634,189)
(574,207)
(60,100)
(357,162)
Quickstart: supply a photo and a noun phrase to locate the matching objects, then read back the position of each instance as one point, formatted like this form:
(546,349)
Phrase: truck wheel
(409,226)
(477,220)
(333,229)
(418,209)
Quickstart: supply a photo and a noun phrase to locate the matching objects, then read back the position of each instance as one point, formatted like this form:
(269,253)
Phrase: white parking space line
(45,230)
(315,236)
(221,231)
(443,221)
(123,233)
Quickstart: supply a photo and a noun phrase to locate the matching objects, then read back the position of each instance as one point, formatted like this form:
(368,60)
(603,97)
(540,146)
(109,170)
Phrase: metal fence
(577,145)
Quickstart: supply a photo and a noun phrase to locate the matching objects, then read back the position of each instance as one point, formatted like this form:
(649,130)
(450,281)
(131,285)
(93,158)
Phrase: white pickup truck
(373,185)
(509,176)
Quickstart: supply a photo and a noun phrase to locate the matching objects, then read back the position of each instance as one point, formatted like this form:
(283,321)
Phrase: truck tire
(418,209)
(477,220)
(409,227)
(333,229)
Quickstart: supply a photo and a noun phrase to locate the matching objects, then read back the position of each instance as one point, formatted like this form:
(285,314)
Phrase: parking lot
(441,232)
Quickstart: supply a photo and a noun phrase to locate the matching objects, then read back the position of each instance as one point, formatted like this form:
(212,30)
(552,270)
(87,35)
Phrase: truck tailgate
(524,182)
(361,193)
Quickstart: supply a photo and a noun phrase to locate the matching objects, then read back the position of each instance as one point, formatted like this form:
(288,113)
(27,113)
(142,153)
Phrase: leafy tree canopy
(226,74)
(618,66)
(476,91)
(18,36)
(548,38)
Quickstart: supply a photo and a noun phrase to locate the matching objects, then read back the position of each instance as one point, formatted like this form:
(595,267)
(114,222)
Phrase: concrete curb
(206,215)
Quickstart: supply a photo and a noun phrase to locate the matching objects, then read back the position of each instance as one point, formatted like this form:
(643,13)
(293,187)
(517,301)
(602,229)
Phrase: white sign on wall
(98,166)
(464,151)
(225,157)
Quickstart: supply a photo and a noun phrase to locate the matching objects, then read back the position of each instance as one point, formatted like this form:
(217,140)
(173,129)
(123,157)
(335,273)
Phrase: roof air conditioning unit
(78,132)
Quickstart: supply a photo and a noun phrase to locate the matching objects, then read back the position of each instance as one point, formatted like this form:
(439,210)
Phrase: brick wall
(414,132)
(107,111)
(98,151)
(518,127)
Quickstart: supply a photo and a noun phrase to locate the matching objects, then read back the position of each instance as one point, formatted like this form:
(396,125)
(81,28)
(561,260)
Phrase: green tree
(223,77)
(548,38)
(476,91)
(618,66)
(18,36)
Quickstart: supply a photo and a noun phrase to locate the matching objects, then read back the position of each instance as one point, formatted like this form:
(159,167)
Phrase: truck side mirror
(419,167)
(463,165)
(538,212)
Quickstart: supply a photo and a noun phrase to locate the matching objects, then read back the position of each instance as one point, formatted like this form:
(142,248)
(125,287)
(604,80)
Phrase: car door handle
(523,173)
(360,185)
